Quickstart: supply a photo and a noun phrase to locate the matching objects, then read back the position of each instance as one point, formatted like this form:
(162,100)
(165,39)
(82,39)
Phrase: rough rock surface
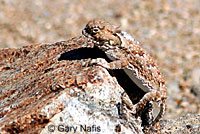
(42,89)
(49,88)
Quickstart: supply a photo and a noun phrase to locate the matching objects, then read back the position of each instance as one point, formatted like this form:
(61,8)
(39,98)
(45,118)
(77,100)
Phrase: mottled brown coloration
(48,84)
(31,78)
(126,53)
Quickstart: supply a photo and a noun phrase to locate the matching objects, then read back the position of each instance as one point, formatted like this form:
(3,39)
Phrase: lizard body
(126,53)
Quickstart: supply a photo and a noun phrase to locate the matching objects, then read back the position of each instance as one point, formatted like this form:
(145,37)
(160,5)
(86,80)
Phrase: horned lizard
(126,53)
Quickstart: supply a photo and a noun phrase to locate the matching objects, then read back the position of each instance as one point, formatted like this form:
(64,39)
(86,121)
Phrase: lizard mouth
(86,34)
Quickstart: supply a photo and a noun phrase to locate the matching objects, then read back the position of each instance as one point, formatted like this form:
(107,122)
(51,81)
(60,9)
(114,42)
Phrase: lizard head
(101,33)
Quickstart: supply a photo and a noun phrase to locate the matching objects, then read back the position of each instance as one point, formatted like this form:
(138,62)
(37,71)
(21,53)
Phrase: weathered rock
(43,88)
(49,87)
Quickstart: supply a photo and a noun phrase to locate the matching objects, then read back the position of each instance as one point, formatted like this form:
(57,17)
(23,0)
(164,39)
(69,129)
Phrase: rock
(50,88)
(43,89)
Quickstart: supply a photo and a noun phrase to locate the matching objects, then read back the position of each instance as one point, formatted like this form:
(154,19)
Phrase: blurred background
(168,30)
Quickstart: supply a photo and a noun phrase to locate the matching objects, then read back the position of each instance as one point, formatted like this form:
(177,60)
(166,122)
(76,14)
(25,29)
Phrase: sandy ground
(169,30)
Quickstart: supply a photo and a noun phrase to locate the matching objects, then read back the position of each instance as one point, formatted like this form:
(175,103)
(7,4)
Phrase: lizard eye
(95,30)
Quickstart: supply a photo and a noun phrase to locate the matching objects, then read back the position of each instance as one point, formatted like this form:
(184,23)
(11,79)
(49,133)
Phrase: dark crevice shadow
(83,53)
(133,91)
